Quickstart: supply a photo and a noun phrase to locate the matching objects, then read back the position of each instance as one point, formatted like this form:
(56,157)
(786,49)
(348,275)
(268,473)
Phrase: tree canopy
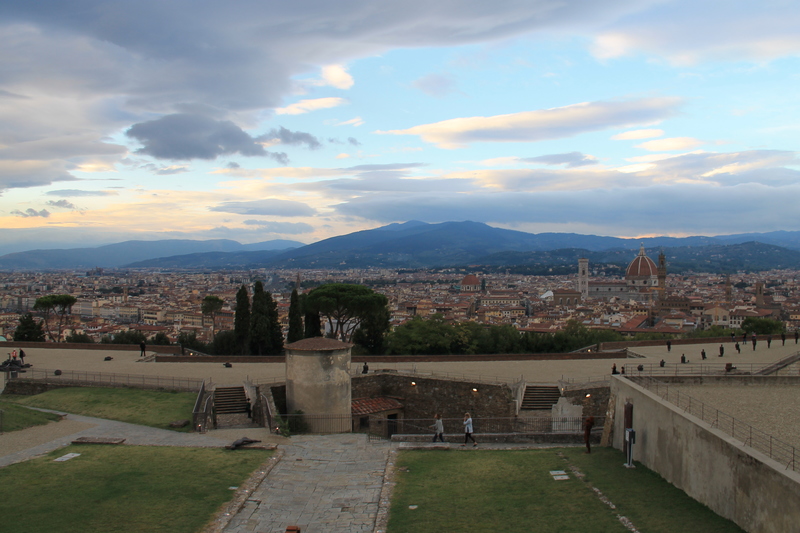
(59,305)
(344,306)
(29,329)
(211,306)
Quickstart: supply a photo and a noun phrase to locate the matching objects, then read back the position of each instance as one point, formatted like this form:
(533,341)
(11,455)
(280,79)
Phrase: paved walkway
(325,483)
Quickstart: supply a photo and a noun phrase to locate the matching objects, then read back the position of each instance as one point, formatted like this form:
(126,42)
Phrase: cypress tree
(241,319)
(295,319)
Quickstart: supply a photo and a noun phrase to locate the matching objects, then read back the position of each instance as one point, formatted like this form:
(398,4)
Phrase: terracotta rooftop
(315,344)
(368,406)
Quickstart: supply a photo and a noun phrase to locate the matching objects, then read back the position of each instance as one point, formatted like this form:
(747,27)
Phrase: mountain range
(417,244)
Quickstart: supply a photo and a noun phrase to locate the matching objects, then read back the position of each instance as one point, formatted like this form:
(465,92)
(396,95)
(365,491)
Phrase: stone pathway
(22,445)
(323,483)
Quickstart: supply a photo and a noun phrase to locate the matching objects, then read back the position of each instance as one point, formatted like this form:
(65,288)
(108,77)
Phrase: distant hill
(416,244)
(125,253)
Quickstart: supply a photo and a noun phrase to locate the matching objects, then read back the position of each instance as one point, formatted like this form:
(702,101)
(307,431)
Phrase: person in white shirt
(468,430)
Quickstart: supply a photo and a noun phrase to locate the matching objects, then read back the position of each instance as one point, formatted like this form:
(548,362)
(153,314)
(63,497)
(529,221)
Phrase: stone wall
(595,405)
(29,388)
(735,481)
(450,398)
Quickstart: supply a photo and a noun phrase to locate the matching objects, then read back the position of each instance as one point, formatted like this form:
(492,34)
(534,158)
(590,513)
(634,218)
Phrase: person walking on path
(669,346)
(22,356)
(796,336)
(703,354)
(754,341)
(588,424)
(468,430)
(438,428)
(738,348)
(769,341)
(143,348)
(721,350)
(783,339)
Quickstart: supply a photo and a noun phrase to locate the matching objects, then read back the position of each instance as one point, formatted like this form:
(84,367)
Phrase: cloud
(353,141)
(436,85)
(673,143)
(307,106)
(555,123)
(283,136)
(337,76)
(23,174)
(638,134)
(357,121)
(80,193)
(44,213)
(680,32)
(64,204)
(170,170)
(268,207)
(183,136)
(571,159)
(288,228)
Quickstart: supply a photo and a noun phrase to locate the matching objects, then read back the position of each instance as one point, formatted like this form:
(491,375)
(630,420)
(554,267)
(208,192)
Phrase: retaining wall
(736,482)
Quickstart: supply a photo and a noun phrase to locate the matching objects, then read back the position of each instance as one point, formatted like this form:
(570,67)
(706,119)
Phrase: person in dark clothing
(365,370)
(22,356)
(738,348)
(721,350)
(769,341)
(754,341)
(143,348)
(669,346)
(588,424)
(703,354)
(783,339)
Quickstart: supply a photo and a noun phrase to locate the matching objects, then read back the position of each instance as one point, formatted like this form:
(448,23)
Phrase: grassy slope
(16,417)
(136,406)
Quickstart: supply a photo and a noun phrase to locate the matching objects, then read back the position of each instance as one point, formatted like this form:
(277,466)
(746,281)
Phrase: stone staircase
(540,397)
(230,407)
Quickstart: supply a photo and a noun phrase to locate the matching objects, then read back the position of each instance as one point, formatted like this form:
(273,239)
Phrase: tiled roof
(368,406)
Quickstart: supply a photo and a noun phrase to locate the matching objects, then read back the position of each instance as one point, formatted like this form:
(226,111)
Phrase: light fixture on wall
(474,390)
(413,383)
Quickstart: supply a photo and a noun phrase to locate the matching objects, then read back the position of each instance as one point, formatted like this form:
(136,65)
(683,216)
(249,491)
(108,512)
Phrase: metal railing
(98,379)
(512,425)
(692,369)
(765,443)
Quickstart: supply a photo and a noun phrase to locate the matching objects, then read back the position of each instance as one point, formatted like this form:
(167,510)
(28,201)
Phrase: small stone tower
(318,382)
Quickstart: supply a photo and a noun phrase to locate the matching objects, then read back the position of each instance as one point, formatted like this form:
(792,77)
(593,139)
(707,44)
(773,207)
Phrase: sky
(303,120)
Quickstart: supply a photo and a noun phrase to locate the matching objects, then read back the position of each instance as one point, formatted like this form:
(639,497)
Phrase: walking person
(738,348)
(588,424)
(438,428)
(22,356)
(754,341)
(468,430)
(143,348)
(769,341)
(703,353)
(669,346)
(783,339)
(721,350)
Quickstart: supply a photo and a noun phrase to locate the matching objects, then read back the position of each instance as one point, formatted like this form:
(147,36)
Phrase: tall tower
(583,278)
(759,294)
(728,290)
(662,275)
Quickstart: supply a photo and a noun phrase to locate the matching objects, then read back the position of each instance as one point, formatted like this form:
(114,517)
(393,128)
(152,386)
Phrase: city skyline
(266,120)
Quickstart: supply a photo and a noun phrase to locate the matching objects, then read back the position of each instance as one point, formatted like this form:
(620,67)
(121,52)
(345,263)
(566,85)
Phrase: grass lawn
(122,488)
(137,406)
(513,491)
(15,417)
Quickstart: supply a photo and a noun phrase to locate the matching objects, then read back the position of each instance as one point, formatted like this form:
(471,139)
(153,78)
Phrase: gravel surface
(773,409)
(16,441)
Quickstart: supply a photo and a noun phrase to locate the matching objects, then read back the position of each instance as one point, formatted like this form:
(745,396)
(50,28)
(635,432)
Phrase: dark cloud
(285,136)
(184,136)
(233,165)
(78,193)
(269,207)
(288,228)
(571,159)
(353,141)
(62,203)
(44,213)
(22,174)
